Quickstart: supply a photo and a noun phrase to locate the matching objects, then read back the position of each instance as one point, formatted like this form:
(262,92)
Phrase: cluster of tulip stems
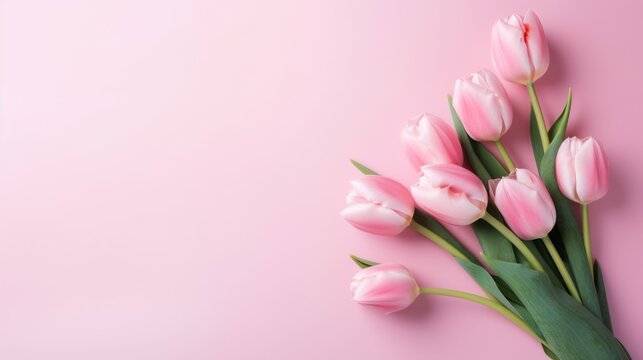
(536,266)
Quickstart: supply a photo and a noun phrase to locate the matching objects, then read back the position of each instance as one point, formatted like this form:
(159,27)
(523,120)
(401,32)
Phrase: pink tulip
(379,205)
(483,106)
(519,48)
(525,204)
(581,170)
(388,287)
(450,193)
(431,140)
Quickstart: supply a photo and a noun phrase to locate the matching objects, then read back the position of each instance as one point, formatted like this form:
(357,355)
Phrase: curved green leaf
(565,221)
(490,163)
(602,295)
(486,282)
(363,263)
(525,315)
(430,223)
(534,133)
(570,329)
(553,275)
(492,241)
(550,353)
(362,168)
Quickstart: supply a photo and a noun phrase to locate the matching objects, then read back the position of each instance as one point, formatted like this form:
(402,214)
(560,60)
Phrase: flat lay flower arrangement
(536,265)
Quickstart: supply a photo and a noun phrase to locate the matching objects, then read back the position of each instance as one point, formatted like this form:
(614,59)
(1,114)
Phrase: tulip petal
(523,209)
(510,54)
(483,106)
(537,44)
(376,219)
(430,140)
(449,206)
(502,97)
(389,287)
(479,111)
(385,192)
(565,169)
(457,179)
(591,168)
(581,170)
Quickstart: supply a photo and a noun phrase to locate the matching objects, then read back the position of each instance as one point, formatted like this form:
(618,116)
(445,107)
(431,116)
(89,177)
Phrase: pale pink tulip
(581,170)
(525,204)
(519,49)
(450,193)
(483,106)
(388,287)
(430,140)
(379,205)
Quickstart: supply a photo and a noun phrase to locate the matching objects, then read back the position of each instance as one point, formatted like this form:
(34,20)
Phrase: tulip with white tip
(430,140)
(379,205)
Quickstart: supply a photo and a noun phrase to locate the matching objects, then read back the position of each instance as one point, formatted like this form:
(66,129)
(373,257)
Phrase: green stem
(588,246)
(492,304)
(567,278)
(538,112)
(505,156)
(515,240)
(439,240)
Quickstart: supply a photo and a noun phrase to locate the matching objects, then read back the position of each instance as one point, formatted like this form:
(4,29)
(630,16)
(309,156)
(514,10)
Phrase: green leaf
(534,133)
(363,263)
(629,357)
(492,241)
(497,288)
(506,290)
(553,275)
(362,168)
(555,127)
(602,295)
(430,223)
(486,282)
(570,329)
(565,221)
(525,315)
(550,353)
(493,166)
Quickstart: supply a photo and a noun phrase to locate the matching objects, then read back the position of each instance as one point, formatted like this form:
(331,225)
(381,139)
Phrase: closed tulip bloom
(519,49)
(581,170)
(379,205)
(525,204)
(388,287)
(430,140)
(483,106)
(450,193)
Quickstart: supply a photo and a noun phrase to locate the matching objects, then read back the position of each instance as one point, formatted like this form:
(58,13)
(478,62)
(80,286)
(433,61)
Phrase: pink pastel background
(171,172)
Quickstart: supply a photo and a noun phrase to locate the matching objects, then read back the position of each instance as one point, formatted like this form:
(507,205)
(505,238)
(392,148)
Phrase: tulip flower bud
(389,287)
(430,140)
(483,106)
(581,170)
(525,204)
(519,48)
(379,205)
(450,193)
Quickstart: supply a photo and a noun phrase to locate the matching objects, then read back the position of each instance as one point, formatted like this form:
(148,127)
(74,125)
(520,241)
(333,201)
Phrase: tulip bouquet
(536,266)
